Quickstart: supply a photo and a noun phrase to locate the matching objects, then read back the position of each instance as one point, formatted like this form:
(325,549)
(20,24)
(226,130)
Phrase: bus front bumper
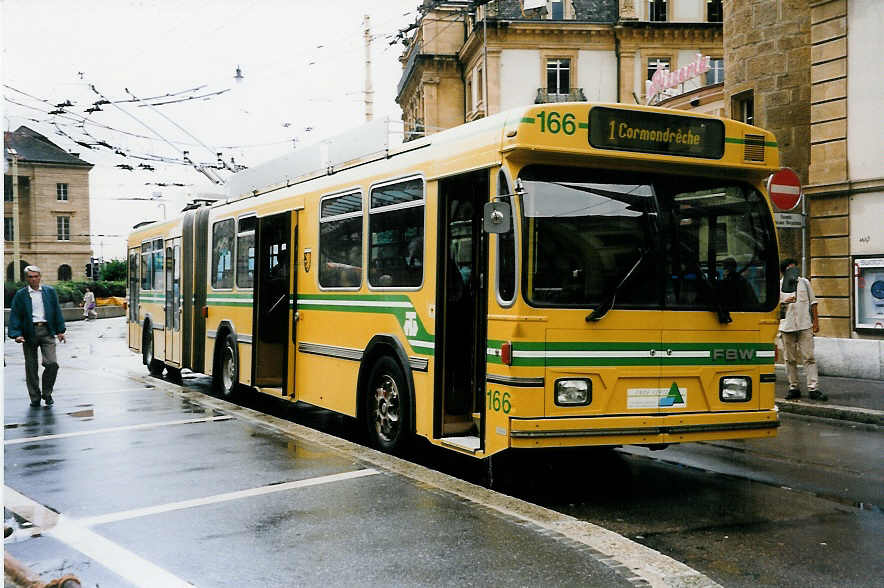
(642,430)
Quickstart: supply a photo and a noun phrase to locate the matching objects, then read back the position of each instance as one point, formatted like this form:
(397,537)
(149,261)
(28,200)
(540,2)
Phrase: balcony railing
(545,97)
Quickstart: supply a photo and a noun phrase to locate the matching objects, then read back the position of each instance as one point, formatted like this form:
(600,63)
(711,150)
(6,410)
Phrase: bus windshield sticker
(651,132)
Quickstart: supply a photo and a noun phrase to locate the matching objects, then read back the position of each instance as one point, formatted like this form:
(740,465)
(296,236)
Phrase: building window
(63,227)
(714,11)
(657,63)
(245,252)
(556,10)
(64,273)
(715,74)
(396,235)
(744,107)
(340,241)
(657,10)
(222,254)
(61,192)
(8,228)
(24,187)
(558,77)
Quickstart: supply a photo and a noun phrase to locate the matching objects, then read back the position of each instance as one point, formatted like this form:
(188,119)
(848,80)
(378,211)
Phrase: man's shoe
(793,394)
(35,404)
(48,400)
(817,395)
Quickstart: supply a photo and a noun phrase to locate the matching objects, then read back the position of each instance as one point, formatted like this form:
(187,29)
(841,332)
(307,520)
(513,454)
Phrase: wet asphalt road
(801,509)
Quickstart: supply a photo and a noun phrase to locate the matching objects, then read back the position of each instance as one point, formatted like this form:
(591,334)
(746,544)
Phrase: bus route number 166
(499,402)
(553,122)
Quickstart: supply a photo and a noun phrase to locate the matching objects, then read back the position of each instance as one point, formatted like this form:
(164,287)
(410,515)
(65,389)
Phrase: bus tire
(388,406)
(174,374)
(154,366)
(225,377)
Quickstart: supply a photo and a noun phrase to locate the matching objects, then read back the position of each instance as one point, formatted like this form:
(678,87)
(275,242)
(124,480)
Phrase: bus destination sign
(651,132)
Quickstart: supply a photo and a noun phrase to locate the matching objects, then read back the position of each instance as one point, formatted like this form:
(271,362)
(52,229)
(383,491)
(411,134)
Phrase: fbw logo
(410,327)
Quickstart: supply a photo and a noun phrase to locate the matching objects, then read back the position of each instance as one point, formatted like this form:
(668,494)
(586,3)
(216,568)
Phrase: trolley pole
(369,92)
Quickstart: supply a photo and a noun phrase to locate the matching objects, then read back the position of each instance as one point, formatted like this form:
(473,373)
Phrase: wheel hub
(386,407)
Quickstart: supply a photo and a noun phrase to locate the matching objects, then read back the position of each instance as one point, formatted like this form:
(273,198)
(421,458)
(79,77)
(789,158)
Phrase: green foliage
(70,291)
(114,270)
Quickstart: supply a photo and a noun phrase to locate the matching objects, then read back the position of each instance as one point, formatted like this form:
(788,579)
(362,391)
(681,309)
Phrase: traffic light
(88,270)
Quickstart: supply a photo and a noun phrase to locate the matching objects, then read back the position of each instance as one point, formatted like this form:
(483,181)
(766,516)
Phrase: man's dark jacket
(21,322)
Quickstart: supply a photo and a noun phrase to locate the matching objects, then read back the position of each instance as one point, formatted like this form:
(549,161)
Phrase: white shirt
(38,313)
(798,312)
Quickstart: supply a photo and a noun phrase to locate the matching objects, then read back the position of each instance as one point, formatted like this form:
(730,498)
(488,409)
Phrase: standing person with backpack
(797,328)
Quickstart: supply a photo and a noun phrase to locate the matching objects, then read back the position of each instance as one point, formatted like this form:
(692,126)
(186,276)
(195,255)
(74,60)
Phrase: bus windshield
(651,240)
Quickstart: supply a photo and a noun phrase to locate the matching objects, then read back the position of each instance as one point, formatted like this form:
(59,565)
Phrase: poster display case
(868,287)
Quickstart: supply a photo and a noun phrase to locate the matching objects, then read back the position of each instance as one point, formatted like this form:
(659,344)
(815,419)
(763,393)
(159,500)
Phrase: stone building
(809,71)
(467,60)
(53,207)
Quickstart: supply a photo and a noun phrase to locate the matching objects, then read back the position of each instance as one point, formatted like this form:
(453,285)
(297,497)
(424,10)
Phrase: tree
(114,270)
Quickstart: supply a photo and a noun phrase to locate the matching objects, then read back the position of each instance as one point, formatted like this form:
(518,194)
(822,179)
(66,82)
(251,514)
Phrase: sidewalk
(850,399)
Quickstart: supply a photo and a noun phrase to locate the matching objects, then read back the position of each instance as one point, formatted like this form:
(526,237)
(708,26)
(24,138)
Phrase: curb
(832,411)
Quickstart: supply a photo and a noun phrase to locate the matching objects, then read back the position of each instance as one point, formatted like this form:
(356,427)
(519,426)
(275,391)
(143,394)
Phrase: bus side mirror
(496,217)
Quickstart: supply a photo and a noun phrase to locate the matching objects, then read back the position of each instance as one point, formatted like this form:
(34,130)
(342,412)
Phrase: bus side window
(396,235)
(222,254)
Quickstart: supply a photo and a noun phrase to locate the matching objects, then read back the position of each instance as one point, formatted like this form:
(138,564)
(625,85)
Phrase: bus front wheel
(226,375)
(389,407)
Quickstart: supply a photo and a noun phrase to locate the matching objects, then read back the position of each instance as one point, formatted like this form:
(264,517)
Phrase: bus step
(471,444)
(275,392)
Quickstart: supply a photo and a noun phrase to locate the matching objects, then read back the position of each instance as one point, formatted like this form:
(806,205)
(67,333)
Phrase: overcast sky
(303,67)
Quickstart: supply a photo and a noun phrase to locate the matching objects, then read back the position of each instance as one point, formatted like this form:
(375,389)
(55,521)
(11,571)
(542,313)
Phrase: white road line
(115,429)
(260,491)
(121,561)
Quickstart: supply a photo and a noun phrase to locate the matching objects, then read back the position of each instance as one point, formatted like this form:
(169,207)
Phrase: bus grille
(754,147)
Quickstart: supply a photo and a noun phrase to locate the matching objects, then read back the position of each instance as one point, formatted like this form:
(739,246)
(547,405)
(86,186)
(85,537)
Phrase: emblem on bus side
(307,256)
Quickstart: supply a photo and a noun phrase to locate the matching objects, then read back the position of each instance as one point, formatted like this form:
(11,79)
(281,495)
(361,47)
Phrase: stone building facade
(809,70)
(53,207)
(467,60)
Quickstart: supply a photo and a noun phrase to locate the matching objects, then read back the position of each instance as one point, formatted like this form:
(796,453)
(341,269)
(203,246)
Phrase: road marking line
(227,496)
(116,558)
(115,429)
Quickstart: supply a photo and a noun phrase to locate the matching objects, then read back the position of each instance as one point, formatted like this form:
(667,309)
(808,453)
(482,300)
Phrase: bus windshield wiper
(608,303)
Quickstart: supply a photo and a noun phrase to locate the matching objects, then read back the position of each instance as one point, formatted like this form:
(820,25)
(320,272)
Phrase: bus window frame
(236,238)
(504,183)
(369,211)
(363,210)
(211,256)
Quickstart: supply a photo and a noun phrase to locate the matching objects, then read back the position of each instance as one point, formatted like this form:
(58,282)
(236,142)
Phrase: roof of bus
(513,128)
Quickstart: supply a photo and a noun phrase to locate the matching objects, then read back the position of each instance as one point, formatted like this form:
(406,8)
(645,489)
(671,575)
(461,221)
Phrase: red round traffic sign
(784,188)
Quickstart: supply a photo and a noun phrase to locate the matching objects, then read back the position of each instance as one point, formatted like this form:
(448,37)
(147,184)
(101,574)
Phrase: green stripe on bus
(398,305)
(739,141)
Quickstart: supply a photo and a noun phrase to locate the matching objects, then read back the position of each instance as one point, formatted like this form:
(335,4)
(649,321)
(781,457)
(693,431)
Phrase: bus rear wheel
(388,406)
(154,366)
(226,374)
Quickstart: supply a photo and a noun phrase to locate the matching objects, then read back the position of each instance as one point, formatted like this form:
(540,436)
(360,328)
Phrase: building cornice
(844,188)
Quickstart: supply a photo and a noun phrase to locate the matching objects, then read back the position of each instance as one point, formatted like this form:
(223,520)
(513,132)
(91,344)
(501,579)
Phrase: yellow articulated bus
(561,275)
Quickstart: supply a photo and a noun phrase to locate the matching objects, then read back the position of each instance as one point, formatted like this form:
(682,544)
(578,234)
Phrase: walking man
(35,320)
(797,328)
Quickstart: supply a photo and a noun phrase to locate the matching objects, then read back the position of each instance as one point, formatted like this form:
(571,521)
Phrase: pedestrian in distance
(35,321)
(799,323)
(89,304)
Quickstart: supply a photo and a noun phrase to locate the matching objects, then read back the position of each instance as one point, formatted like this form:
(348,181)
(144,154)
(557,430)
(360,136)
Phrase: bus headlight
(573,392)
(735,389)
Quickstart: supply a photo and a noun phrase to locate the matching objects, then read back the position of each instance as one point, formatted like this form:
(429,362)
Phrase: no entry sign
(784,188)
